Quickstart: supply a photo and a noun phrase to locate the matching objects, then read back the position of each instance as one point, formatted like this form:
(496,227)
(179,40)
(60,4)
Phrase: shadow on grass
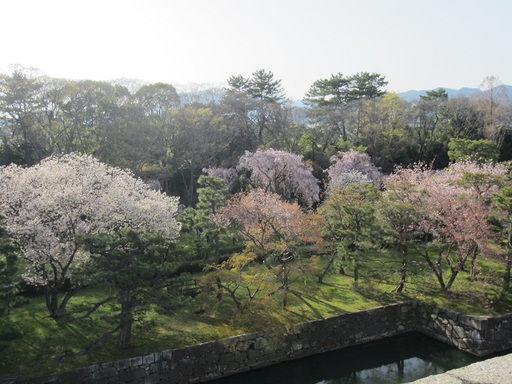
(302,297)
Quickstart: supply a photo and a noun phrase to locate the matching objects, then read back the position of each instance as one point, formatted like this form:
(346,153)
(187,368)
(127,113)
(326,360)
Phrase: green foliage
(348,222)
(46,346)
(340,89)
(480,151)
(136,266)
(9,278)
(435,94)
(262,86)
(212,194)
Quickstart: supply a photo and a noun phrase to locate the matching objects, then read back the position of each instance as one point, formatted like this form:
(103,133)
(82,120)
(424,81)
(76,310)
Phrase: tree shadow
(302,297)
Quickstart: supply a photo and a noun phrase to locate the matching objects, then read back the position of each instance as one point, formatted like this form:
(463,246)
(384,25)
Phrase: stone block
(261,343)
(104,374)
(125,375)
(121,364)
(167,355)
(148,359)
(253,355)
(152,379)
(180,354)
(136,361)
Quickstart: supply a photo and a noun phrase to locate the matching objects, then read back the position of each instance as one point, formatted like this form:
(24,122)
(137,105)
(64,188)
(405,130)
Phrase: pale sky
(414,44)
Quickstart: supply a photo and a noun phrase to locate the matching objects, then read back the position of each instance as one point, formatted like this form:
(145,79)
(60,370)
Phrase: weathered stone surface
(105,373)
(497,370)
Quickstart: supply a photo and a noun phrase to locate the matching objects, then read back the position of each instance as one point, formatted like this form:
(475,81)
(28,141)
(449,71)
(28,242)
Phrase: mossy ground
(43,345)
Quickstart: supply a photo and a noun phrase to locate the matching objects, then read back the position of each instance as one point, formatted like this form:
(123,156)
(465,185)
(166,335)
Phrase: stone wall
(479,335)
(203,362)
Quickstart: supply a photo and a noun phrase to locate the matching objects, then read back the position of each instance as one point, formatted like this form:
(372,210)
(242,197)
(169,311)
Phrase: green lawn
(48,346)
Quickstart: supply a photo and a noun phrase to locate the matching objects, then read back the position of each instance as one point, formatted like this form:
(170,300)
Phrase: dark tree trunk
(454,272)
(403,271)
(126,320)
(473,264)
(435,268)
(52,301)
(506,275)
(324,272)
(285,284)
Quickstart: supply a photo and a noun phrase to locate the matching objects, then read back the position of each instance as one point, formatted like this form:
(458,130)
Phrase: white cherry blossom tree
(47,206)
(352,167)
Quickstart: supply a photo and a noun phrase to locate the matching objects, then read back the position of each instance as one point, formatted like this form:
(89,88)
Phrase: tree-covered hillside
(170,138)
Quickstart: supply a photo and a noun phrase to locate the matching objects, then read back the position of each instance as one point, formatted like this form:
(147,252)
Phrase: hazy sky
(414,44)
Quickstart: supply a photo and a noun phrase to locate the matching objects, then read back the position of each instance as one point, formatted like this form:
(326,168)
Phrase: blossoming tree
(453,205)
(272,229)
(47,206)
(352,167)
(282,173)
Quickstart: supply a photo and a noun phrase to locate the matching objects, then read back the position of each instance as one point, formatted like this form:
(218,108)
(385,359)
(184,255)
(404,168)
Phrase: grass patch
(40,345)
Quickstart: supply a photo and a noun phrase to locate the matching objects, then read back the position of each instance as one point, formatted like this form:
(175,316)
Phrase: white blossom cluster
(47,205)
(352,167)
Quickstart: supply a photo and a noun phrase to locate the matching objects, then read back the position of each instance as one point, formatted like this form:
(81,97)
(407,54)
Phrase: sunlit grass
(48,346)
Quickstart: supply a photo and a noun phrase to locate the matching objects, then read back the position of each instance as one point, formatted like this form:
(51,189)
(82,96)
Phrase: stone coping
(496,370)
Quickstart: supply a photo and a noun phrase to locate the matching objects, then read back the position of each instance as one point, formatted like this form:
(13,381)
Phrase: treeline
(171,137)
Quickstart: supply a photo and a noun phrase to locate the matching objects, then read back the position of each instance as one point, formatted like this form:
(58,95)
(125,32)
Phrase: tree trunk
(454,272)
(52,301)
(342,266)
(506,275)
(403,271)
(328,266)
(126,320)
(219,288)
(69,294)
(437,270)
(285,284)
(473,264)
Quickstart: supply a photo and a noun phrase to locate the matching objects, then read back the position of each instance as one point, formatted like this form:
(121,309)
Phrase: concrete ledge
(497,370)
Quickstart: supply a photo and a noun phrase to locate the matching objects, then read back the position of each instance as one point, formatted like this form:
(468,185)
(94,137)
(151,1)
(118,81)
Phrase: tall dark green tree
(22,142)
(261,86)
(265,100)
(349,225)
(480,151)
(212,194)
(135,266)
(334,101)
(426,127)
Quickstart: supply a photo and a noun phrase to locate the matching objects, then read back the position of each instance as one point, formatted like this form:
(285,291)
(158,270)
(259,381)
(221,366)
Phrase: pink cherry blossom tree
(273,230)
(283,173)
(453,206)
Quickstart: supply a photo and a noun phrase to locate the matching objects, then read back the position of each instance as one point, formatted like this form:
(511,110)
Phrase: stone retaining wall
(479,335)
(207,361)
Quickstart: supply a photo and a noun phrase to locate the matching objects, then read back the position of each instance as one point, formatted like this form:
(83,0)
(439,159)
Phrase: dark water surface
(398,359)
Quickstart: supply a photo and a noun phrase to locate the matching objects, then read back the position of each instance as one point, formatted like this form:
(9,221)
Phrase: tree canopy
(48,205)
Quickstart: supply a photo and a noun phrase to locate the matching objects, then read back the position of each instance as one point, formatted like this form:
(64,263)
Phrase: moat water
(398,359)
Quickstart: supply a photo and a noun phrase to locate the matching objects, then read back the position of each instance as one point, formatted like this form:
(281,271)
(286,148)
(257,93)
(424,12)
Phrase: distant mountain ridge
(415,95)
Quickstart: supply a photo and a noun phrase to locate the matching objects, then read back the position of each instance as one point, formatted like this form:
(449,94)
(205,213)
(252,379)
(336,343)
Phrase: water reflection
(396,360)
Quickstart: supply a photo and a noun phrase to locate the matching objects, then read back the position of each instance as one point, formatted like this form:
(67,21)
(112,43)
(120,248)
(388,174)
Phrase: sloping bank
(479,335)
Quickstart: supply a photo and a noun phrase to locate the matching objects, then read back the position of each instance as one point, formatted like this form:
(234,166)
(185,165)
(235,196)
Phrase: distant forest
(169,137)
